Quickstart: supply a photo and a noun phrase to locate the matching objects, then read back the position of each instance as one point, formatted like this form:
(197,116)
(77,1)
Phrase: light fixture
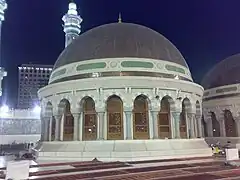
(37,109)
(4,109)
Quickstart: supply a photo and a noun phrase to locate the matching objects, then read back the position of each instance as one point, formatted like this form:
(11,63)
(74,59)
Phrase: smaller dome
(226,72)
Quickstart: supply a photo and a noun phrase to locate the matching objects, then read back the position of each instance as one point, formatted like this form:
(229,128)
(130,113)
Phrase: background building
(19,126)
(221,102)
(31,78)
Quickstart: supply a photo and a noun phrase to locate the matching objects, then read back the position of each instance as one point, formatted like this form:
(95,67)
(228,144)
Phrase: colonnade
(118,122)
(221,124)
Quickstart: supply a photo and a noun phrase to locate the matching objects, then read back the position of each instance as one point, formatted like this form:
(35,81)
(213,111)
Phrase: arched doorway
(164,119)
(230,125)
(115,118)
(50,118)
(67,120)
(89,119)
(183,118)
(141,118)
(215,125)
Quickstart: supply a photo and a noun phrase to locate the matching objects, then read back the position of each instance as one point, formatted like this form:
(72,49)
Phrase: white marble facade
(52,108)
(221,117)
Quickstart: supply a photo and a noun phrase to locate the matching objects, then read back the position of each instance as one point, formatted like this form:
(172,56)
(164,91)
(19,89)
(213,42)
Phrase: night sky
(205,31)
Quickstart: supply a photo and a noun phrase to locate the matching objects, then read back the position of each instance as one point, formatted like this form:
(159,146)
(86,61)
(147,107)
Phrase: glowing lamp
(4,109)
(37,109)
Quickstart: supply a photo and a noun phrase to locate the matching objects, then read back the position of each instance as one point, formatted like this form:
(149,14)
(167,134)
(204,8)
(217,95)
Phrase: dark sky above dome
(117,40)
(205,31)
(225,72)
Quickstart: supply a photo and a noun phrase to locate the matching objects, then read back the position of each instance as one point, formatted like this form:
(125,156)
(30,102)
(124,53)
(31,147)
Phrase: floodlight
(37,109)
(4,109)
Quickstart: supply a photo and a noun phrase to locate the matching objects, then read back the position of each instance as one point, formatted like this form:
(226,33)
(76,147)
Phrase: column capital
(57,116)
(127,109)
(155,110)
(198,116)
(176,113)
(128,112)
(75,113)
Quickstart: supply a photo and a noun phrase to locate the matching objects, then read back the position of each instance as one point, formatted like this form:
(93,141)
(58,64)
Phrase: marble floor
(175,169)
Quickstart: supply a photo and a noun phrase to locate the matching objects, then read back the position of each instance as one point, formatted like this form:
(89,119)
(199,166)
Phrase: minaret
(119,18)
(72,21)
(3,73)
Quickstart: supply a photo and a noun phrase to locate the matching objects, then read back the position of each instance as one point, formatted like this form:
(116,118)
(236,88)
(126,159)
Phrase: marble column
(199,125)
(100,125)
(57,127)
(50,129)
(190,125)
(155,124)
(222,126)
(129,124)
(237,121)
(175,124)
(80,126)
(195,126)
(76,126)
(62,120)
(209,126)
(46,128)
(42,128)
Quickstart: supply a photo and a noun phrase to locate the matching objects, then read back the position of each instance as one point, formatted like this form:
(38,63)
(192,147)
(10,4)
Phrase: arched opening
(204,127)
(49,114)
(141,118)
(115,118)
(230,125)
(164,119)
(215,125)
(183,118)
(67,120)
(89,119)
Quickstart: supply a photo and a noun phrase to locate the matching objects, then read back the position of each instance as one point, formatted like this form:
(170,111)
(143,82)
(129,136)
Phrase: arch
(230,124)
(49,109)
(198,108)
(183,117)
(141,117)
(115,118)
(215,125)
(67,120)
(89,131)
(164,118)
(64,106)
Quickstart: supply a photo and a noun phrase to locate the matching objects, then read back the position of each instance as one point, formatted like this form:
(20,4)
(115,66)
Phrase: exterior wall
(32,77)
(19,126)
(217,101)
(127,88)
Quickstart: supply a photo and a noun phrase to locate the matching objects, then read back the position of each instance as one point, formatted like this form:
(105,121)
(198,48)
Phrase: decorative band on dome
(122,73)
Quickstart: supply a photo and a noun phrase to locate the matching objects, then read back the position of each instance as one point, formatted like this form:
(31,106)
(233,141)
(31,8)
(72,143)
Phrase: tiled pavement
(181,169)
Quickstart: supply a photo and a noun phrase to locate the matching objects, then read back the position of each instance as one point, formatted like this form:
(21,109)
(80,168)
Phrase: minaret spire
(119,18)
(3,73)
(72,23)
